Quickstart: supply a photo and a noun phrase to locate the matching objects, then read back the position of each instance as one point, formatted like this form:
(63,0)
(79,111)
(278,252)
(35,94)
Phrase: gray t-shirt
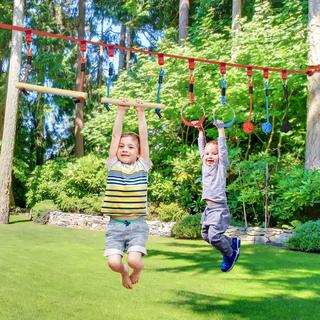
(214,177)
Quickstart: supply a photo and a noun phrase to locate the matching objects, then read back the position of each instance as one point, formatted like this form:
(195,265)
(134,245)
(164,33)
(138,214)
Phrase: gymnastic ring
(227,124)
(189,123)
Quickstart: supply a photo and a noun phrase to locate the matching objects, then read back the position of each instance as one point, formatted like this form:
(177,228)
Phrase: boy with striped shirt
(126,198)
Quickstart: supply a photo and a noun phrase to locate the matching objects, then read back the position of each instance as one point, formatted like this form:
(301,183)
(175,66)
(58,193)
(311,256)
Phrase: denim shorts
(130,237)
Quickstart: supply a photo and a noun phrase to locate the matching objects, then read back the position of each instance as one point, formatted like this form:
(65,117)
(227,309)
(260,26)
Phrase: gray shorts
(130,237)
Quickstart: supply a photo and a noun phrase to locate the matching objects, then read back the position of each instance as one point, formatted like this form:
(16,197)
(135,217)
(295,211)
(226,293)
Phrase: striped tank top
(126,191)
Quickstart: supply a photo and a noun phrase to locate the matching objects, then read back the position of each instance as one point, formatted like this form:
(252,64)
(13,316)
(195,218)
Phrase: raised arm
(223,151)
(117,131)
(143,134)
(201,141)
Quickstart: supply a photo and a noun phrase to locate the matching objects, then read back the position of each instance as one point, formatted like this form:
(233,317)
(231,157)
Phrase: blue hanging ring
(223,103)
(226,124)
(266,126)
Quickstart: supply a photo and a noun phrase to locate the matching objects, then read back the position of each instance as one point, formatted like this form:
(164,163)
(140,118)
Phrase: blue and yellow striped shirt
(126,192)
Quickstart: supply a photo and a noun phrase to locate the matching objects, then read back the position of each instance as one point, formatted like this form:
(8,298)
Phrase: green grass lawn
(47,272)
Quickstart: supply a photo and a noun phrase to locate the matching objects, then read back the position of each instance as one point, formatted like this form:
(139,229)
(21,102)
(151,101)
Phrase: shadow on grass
(269,307)
(20,220)
(255,259)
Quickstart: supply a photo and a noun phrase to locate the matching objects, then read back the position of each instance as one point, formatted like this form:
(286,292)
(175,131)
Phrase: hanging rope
(29,59)
(248,126)
(285,125)
(223,72)
(160,80)
(110,74)
(191,99)
(266,126)
(83,48)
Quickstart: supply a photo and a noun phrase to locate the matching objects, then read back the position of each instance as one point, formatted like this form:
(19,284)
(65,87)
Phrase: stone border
(163,229)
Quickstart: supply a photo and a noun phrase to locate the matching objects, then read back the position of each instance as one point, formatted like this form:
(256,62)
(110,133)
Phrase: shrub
(306,237)
(170,212)
(40,211)
(89,205)
(188,228)
(74,185)
(296,189)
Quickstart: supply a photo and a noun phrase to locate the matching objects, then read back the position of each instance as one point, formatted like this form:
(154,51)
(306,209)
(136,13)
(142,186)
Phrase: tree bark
(122,43)
(9,132)
(100,66)
(184,6)
(79,143)
(236,15)
(312,157)
(128,53)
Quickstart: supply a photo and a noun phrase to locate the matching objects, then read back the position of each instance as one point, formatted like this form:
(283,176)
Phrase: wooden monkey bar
(133,103)
(59,92)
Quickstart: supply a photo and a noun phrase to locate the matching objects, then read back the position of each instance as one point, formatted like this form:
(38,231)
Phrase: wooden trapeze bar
(133,103)
(59,92)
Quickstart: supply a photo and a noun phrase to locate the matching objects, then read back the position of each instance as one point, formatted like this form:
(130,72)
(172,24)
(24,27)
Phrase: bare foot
(135,276)
(126,280)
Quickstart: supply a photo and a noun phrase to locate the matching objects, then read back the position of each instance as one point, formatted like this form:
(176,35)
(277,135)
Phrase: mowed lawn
(48,272)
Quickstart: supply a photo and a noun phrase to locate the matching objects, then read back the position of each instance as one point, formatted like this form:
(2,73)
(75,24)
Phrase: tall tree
(312,159)
(9,133)
(236,15)
(79,145)
(184,6)
(122,43)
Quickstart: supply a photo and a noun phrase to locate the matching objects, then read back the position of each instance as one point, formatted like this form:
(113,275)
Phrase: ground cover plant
(49,272)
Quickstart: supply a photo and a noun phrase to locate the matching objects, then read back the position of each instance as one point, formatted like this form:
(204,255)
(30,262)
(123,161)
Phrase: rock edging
(258,235)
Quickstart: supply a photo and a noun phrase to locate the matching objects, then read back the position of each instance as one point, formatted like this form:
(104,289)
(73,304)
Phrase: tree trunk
(101,52)
(312,158)
(79,144)
(1,109)
(1,122)
(128,54)
(236,15)
(9,132)
(39,131)
(122,43)
(184,6)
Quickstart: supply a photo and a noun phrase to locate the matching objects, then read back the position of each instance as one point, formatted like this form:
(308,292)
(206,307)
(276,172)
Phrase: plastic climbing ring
(226,124)
(192,123)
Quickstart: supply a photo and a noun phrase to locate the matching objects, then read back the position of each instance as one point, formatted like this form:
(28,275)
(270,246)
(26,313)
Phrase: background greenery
(273,34)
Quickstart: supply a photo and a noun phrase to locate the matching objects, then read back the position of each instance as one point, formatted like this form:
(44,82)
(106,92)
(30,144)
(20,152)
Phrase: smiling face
(128,150)
(211,154)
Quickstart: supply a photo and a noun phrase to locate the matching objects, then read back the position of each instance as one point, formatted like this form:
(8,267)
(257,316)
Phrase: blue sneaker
(228,262)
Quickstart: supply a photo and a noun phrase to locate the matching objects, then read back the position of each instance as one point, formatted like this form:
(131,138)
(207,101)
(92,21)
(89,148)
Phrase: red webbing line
(250,88)
(309,71)
(28,66)
(83,48)
(248,126)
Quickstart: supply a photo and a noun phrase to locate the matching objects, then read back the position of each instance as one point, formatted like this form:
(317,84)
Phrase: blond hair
(214,142)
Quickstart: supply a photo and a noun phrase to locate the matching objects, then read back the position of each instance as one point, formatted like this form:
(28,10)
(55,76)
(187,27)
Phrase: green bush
(188,228)
(306,237)
(40,211)
(170,212)
(89,205)
(74,185)
(295,190)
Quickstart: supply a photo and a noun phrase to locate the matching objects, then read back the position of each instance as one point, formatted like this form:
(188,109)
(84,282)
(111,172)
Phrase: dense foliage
(306,237)
(265,170)
(188,228)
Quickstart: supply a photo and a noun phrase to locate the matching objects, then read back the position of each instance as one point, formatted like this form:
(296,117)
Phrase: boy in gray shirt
(216,216)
